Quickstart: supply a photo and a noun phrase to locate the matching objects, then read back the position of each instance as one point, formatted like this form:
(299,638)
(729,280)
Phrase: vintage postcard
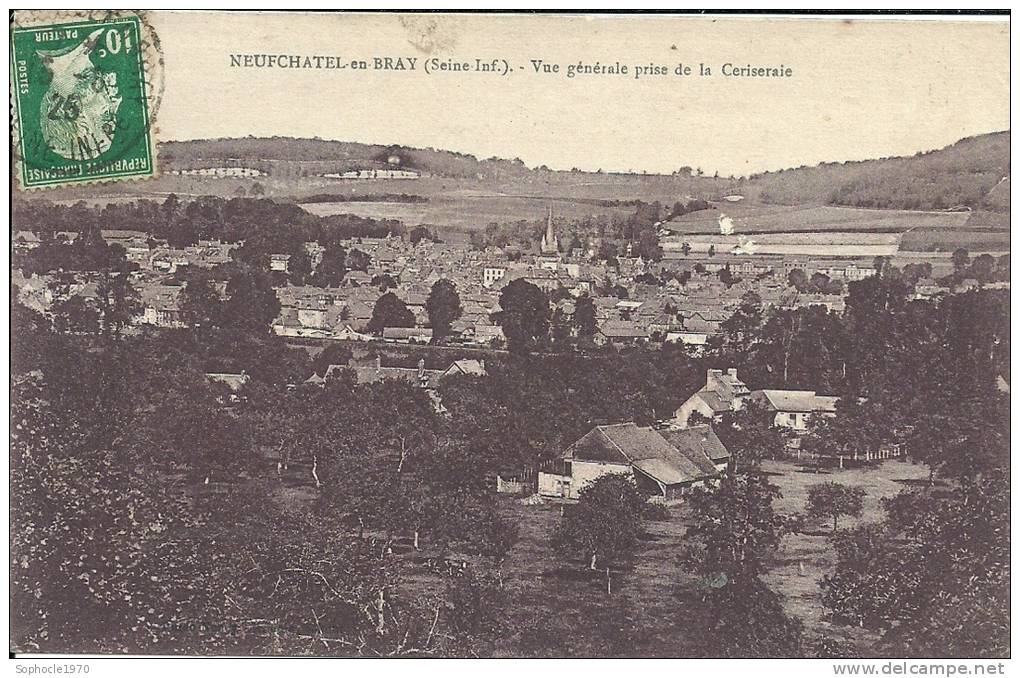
(515,335)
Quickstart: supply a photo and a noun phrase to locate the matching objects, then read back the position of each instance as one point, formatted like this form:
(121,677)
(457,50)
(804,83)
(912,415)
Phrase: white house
(793,409)
(723,392)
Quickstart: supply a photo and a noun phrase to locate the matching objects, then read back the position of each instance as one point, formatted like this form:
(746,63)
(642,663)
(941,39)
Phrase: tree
(358,260)
(605,524)
(559,329)
(443,308)
(711,250)
(747,619)
(299,266)
(832,500)
(735,529)
(648,247)
(200,302)
(584,318)
(88,537)
(333,354)
(75,315)
(389,311)
(524,316)
(798,279)
(384,281)
(252,304)
(421,233)
(750,436)
(932,576)
(961,259)
(685,248)
(332,267)
(118,302)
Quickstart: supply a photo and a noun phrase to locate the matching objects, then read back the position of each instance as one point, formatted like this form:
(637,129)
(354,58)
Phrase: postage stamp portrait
(81,103)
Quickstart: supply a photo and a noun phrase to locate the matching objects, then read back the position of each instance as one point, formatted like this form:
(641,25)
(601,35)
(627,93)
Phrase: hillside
(973,173)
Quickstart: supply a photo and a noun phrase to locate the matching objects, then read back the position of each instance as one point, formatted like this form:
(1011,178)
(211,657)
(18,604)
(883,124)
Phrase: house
(161,306)
(26,240)
(279,262)
(407,335)
(418,376)
(723,392)
(475,368)
(657,465)
(487,334)
(620,333)
(230,382)
(703,443)
(491,274)
(793,409)
(348,333)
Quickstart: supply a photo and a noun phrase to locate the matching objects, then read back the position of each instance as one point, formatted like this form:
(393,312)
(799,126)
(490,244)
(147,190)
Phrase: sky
(859,89)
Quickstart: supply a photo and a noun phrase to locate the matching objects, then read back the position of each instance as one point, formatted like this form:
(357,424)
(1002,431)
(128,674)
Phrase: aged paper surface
(510,335)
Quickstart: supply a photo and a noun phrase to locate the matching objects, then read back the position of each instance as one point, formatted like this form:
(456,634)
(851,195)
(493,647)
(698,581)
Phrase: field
(468,213)
(560,609)
(753,219)
(941,240)
(458,206)
(805,557)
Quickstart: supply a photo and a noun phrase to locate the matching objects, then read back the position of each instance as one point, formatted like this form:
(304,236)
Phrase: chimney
(732,372)
(711,379)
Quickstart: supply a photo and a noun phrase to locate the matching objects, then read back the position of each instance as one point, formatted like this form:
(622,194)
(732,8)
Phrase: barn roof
(799,401)
(700,442)
(647,450)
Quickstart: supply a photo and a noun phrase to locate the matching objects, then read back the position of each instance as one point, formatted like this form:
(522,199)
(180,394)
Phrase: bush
(656,512)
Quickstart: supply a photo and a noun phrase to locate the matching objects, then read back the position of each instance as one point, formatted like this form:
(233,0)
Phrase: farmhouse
(661,466)
(722,392)
(794,408)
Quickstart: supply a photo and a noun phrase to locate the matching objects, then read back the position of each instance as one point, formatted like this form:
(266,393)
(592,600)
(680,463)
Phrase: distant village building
(491,274)
(279,262)
(161,306)
(409,335)
(220,172)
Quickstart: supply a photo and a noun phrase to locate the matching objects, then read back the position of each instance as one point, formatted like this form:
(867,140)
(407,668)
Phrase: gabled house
(26,240)
(230,383)
(792,409)
(723,392)
(470,367)
(703,443)
(657,465)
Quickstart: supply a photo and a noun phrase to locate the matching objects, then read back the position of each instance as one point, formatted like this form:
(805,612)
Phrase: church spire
(550,243)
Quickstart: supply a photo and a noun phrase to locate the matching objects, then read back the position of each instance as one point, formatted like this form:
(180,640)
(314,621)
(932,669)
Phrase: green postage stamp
(82,103)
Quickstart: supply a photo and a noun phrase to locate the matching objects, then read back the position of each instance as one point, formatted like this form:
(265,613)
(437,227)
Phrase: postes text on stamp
(81,106)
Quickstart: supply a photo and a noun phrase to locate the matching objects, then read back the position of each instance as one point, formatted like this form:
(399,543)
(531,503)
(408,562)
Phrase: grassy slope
(965,173)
